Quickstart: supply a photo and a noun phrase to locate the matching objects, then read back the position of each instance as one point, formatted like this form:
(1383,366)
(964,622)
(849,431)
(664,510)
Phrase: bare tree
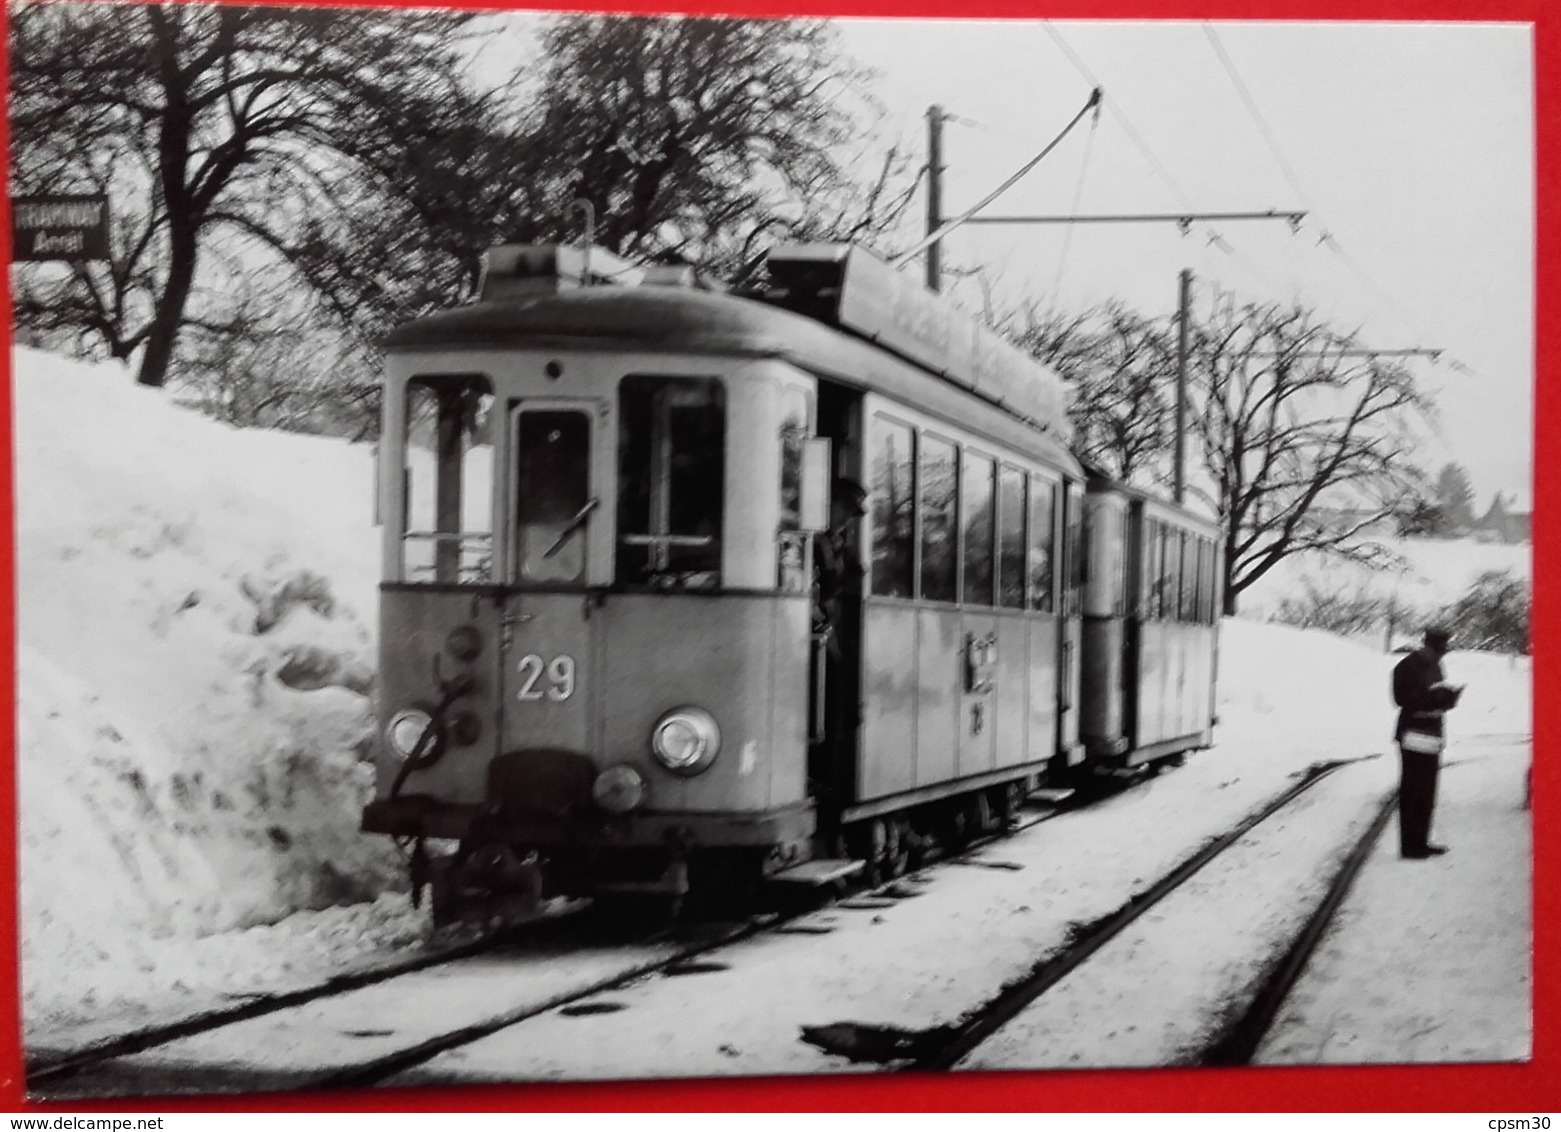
(1121,368)
(198,118)
(1306,443)
(705,139)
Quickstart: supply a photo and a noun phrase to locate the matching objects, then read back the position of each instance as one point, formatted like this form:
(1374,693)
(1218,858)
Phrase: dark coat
(1420,692)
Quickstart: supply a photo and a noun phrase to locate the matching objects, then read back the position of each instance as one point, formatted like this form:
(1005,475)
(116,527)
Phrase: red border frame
(1534,1087)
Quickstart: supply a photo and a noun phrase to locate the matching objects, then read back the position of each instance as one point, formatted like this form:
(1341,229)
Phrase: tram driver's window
(671,481)
(447,516)
(553,501)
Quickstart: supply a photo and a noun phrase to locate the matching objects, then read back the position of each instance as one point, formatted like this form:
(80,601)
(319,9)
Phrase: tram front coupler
(486,883)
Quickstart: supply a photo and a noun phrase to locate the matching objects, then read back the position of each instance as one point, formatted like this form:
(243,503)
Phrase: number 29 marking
(560,672)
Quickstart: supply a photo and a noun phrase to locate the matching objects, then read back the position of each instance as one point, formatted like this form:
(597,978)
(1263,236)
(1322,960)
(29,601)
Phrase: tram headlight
(618,789)
(686,740)
(405,730)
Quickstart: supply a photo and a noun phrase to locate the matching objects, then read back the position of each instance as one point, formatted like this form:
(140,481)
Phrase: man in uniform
(1423,695)
(837,617)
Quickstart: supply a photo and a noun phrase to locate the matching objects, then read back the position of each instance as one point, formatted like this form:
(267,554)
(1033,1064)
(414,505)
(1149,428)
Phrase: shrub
(1344,611)
(1493,615)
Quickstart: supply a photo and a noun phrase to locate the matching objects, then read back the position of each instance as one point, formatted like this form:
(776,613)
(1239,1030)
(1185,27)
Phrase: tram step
(1051,794)
(815,873)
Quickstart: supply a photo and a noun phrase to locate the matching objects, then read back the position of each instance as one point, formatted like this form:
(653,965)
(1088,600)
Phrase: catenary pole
(934,195)
(1183,310)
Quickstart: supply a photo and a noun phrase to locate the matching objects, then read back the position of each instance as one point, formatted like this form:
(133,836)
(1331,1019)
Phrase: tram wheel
(1009,798)
(897,848)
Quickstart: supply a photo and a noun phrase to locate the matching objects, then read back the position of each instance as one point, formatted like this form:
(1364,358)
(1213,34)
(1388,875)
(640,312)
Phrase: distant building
(1504,523)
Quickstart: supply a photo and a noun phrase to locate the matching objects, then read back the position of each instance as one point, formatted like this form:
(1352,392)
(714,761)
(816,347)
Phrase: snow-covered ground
(195,623)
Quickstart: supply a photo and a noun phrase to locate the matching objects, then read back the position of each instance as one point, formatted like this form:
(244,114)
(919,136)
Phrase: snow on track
(1429,960)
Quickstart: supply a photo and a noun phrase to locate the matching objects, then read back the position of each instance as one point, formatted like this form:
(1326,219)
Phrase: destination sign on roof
(893,309)
(59,227)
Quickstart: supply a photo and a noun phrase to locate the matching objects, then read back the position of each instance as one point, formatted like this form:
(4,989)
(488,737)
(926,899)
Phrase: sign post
(59,227)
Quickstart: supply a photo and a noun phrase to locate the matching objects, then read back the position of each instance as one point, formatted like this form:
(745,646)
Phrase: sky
(1410,147)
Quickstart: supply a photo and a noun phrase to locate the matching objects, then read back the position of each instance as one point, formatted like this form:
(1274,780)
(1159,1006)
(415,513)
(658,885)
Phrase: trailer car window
(939,532)
(1150,571)
(1075,553)
(892,457)
(976,507)
(1189,576)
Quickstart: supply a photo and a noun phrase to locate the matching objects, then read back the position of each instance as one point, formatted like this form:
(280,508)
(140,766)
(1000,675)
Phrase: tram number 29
(546,679)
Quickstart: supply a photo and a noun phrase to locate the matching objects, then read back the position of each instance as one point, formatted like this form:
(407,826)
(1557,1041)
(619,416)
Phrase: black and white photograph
(565,547)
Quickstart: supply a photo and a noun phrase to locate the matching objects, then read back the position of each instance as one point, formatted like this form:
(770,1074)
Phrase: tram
(617,657)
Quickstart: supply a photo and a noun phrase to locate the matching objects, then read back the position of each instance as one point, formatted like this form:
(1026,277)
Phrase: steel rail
(1236,1045)
(943,1047)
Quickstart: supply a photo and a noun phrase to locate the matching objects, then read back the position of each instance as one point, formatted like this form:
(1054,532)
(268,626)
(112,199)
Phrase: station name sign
(59,228)
(893,309)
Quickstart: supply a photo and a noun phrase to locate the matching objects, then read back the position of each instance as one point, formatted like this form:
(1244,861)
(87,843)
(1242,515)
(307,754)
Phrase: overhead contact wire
(933,237)
(1120,115)
(1328,239)
(1078,194)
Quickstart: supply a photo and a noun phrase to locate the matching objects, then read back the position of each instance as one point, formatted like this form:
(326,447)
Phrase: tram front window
(671,481)
(553,501)
(447,477)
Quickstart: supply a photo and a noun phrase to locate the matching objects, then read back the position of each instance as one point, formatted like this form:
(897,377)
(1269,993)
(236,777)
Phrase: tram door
(838,579)
(548,644)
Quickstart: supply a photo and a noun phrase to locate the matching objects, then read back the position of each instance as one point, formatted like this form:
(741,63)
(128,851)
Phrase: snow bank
(195,611)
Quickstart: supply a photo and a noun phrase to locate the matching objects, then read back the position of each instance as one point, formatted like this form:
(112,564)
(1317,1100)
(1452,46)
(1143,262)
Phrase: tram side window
(671,480)
(893,463)
(447,520)
(1011,484)
(936,505)
(976,508)
(1043,508)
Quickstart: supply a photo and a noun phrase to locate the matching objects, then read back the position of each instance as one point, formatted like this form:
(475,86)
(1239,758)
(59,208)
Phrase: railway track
(107,1067)
(945,1047)
(336,1036)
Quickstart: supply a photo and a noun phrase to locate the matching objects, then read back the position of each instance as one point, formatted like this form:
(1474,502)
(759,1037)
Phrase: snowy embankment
(194,668)
(195,621)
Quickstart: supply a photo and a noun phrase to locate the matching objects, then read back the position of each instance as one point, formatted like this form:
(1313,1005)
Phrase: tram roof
(673,319)
(1099,480)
